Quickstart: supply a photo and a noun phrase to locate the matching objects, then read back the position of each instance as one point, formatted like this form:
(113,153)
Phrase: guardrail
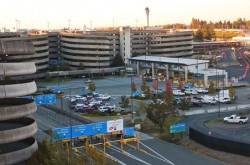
(222,109)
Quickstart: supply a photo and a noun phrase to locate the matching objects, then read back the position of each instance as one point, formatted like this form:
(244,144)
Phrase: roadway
(157,151)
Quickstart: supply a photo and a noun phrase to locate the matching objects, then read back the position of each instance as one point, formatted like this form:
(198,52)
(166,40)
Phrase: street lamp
(217,88)
(58,71)
(131,97)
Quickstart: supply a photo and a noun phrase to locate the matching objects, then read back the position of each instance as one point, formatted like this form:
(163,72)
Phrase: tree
(144,85)
(61,153)
(91,86)
(81,66)
(157,112)
(168,94)
(211,88)
(118,61)
(155,84)
(140,107)
(231,92)
(133,86)
(124,102)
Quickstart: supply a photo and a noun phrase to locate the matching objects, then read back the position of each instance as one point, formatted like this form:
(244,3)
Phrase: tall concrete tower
(147,12)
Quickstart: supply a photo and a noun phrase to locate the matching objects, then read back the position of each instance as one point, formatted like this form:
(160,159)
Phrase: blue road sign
(50,99)
(61,133)
(84,92)
(177,128)
(40,99)
(78,131)
(57,89)
(128,131)
(135,93)
(96,128)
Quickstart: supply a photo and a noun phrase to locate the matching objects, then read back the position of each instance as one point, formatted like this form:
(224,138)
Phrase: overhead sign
(45,99)
(57,89)
(40,99)
(177,128)
(50,99)
(61,133)
(78,131)
(128,131)
(96,128)
(115,125)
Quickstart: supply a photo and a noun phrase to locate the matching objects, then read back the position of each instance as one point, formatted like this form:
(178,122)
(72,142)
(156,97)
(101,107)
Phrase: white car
(103,109)
(209,101)
(202,90)
(236,119)
(191,91)
(224,100)
(103,97)
(178,92)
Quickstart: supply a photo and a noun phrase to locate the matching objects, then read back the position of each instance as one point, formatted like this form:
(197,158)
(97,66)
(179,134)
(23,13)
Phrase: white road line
(128,154)
(157,154)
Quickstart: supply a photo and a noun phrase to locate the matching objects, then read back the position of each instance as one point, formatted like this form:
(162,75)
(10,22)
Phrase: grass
(215,120)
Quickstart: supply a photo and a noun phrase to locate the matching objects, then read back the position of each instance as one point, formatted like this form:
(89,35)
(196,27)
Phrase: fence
(219,144)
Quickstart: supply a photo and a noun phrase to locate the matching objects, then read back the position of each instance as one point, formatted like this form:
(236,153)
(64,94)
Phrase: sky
(58,14)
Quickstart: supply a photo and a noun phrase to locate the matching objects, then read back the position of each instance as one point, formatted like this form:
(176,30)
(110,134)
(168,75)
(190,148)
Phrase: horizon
(38,14)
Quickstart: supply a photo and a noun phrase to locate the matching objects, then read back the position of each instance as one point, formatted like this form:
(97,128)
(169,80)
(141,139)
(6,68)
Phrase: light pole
(58,61)
(69,24)
(217,89)
(131,96)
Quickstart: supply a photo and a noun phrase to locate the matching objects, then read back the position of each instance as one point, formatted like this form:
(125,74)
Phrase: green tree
(140,107)
(91,86)
(198,36)
(118,61)
(64,67)
(133,86)
(231,92)
(81,66)
(157,112)
(211,88)
(144,85)
(124,102)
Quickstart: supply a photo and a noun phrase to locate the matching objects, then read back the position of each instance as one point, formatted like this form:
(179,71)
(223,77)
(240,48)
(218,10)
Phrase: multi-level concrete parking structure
(92,49)
(97,49)
(156,42)
(40,48)
(16,128)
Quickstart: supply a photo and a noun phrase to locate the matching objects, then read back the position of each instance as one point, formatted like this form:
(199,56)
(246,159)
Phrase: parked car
(224,100)
(80,107)
(178,92)
(103,109)
(103,97)
(191,91)
(209,100)
(236,119)
(88,81)
(196,103)
(202,90)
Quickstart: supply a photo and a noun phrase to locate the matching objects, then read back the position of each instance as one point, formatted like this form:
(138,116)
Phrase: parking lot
(115,87)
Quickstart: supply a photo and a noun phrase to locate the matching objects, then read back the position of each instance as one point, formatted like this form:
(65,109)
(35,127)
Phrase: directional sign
(177,128)
(50,99)
(128,131)
(78,131)
(96,128)
(115,125)
(40,99)
(84,92)
(61,133)
(57,89)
